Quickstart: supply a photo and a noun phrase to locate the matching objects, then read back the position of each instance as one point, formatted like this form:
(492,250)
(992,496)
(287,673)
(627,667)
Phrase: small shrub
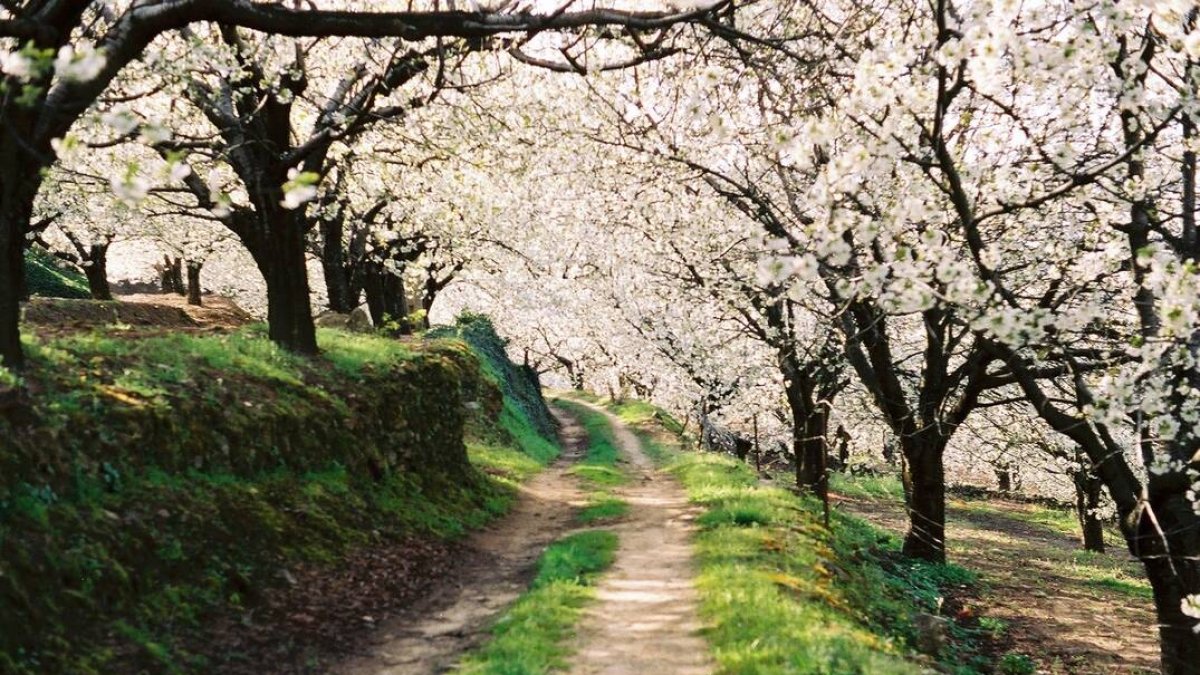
(1016,664)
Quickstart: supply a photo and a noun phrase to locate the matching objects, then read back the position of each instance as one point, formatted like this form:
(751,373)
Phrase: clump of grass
(866,487)
(603,507)
(8,379)
(994,627)
(531,636)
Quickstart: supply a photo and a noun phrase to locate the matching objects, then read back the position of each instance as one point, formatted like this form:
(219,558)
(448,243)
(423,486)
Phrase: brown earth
(142,313)
(1039,581)
(322,612)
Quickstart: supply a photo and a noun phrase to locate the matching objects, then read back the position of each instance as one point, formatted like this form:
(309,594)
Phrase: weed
(1016,664)
(994,627)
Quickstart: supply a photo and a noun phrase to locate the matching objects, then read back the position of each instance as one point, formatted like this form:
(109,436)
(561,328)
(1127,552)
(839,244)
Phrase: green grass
(1106,573)
(525,434)
(50,277)
(602,507)
(783,595)
(531,637)
(598,469)
(866,487)
(141,544)
(352,353)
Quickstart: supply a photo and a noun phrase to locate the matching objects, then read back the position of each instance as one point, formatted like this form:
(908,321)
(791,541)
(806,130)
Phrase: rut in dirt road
(434,633)
(645,619)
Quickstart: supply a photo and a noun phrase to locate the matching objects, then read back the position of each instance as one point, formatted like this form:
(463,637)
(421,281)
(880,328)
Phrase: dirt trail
(645,619)
(432,634)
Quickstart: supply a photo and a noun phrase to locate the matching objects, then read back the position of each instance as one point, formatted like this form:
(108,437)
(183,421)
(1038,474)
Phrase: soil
(321,612)
(142,313)
(646,618)
(455,613)
(1035,579)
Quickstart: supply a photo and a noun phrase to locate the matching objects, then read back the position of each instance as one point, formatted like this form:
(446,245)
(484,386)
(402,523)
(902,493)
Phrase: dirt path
(432,634)
(1075,613)
(645,619)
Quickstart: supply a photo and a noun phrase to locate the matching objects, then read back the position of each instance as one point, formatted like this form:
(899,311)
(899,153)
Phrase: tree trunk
(386,299)
(95,267)
(194,292)
(165,282)
(342,298)
(1004,479)
(1088,489)
(18,189)
(280,256)
(809,428)
(177,277)
(925,489)
(1167,540)
(12,284)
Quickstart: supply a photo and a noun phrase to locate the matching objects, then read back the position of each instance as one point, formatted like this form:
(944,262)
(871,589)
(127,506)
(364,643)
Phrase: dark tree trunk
(172,275)
(165,282)
(1087,500)
(343,297)
(18,189)
(810,422)
(1167,540)
(96,270)
(1088,491)
(12,288)
(925,492)
(280,256)
(1004,480)
(177,277)
(386,299)
(194,292)
(373,287)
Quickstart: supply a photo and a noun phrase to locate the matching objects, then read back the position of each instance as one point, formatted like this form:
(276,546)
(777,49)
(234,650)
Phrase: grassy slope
(52,278)
(781,594)
(194,525)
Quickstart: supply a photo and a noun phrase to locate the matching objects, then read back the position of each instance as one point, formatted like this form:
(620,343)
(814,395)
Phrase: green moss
(518,383)
(531,636)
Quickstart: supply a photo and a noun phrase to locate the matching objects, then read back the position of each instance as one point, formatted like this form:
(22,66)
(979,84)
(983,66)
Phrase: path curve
(432,634)
(646,617)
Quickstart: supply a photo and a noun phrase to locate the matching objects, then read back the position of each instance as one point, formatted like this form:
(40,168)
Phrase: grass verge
(531,636)
(783,595)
